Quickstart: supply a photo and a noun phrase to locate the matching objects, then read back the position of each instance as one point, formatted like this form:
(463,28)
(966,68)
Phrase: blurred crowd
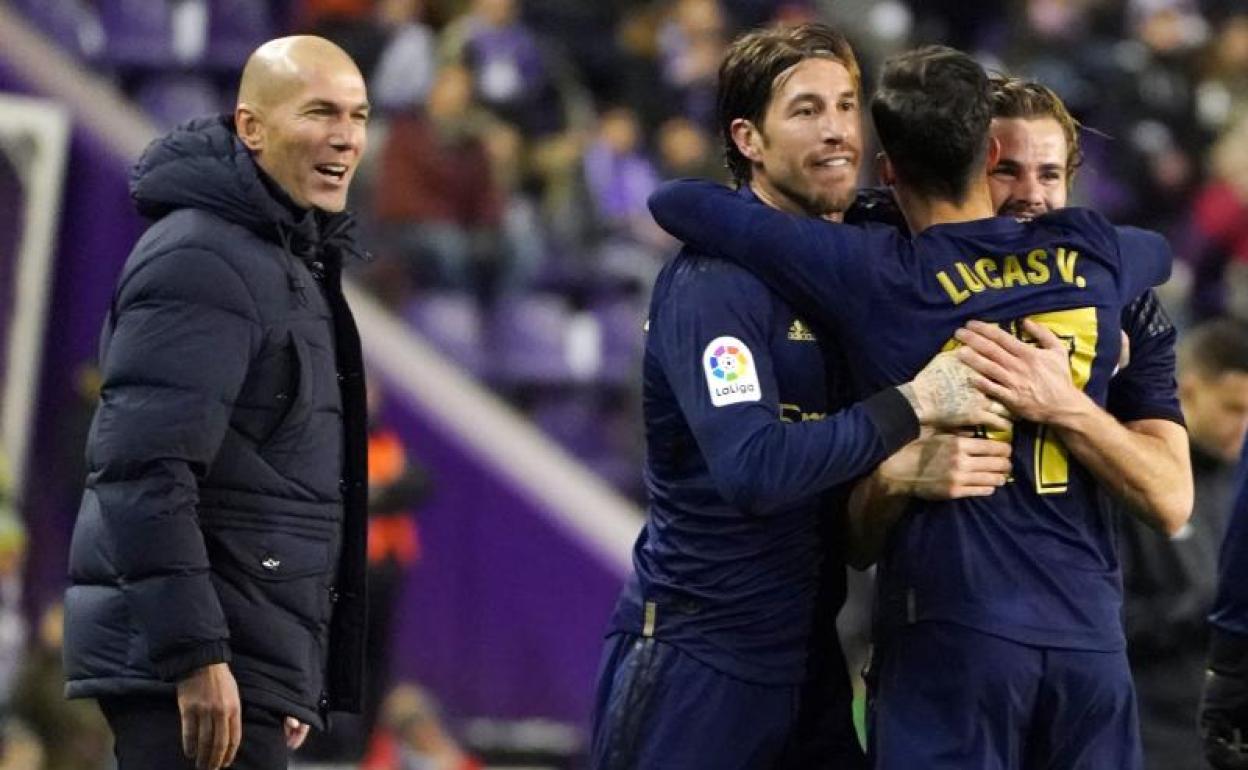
(513,146)
(522,138)
(515,141)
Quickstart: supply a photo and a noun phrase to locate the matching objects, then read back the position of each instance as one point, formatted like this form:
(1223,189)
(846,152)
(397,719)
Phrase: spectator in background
(1217,252)
(397,486)
(13,627)
(620,176)
(351,24)
(1151,100)
(691,43)
(20,748)
(1170,582)
(509,72)
(525,234)
(412,736)
(685,150)
(74,733)
(1222,93)
(437,201)
(408,62)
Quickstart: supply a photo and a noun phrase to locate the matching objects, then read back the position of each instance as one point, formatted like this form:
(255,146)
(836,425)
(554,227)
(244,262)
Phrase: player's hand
(212,724)
(1032,381)
(296,733)
(1224,721)
(943,396)
(946,466)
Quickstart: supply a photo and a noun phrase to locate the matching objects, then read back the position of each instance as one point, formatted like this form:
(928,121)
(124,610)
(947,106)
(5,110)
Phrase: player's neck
(778,200)
(922,211)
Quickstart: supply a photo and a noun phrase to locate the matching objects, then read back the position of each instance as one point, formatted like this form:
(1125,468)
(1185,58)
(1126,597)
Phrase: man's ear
(748,139)
(994,153)
(248,126)
(1189,388)
(884,170)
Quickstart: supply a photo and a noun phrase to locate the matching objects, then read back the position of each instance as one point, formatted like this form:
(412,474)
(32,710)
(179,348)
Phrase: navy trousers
(947,696)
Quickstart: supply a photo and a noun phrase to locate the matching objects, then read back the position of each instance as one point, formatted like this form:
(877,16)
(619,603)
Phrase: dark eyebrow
(315,103)
(812,96)
(805,96)
(1052,167)
(1006,163)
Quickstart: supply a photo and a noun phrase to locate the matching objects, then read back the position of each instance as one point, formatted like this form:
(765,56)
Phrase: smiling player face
(1030,178)
(806,153)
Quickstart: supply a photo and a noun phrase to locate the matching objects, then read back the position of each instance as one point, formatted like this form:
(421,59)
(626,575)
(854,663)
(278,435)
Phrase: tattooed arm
(944,396)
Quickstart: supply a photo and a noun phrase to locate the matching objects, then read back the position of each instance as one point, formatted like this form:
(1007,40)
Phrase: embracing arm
(711,335)
(802,259)
(1145,462)
(939,465)
(758,461)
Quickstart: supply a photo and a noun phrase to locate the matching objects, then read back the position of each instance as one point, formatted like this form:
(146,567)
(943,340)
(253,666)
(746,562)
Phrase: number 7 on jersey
(1077,328)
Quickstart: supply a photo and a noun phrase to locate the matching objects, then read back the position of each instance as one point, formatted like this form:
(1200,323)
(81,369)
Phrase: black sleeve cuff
(1228,653)
(894,418)
(1160,413)
(175,667)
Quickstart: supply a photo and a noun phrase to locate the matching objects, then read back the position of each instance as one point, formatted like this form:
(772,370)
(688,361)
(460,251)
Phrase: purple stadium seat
(529,341)
(138,34)
(572,420)
(173,99)
(235,29)
(587,423)
(621,321)
(451,321)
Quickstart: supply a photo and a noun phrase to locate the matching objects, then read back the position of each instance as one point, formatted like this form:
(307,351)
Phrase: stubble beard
(816,202)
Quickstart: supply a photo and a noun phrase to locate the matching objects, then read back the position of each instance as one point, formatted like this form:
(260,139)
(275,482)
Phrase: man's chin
(829,207)
(1024,214)
(333,205)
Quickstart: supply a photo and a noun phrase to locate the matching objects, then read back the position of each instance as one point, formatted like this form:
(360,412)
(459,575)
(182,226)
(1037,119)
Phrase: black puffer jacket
(224,515)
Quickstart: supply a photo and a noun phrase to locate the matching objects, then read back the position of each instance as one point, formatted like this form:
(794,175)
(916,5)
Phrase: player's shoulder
(1079,222)
(1092,224)
(691,276)
(694,290)
(1092,227)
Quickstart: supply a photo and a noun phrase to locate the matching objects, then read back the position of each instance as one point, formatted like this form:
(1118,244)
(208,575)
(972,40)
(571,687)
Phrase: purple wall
(98,227)
(504,614)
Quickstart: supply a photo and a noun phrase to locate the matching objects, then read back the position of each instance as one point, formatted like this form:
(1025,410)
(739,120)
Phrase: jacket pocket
(301,396)
(270,579)
(270,555)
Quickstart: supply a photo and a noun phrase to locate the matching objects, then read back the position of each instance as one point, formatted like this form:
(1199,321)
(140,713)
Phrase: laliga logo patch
(730,376)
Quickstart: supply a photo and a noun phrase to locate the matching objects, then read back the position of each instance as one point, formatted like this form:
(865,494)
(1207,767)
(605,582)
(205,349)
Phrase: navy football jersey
(1230,607)
(1036,561)
(1146,389)
(741,439)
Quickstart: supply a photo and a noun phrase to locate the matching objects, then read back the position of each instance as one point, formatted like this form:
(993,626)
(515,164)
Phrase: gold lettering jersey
(1035,562)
